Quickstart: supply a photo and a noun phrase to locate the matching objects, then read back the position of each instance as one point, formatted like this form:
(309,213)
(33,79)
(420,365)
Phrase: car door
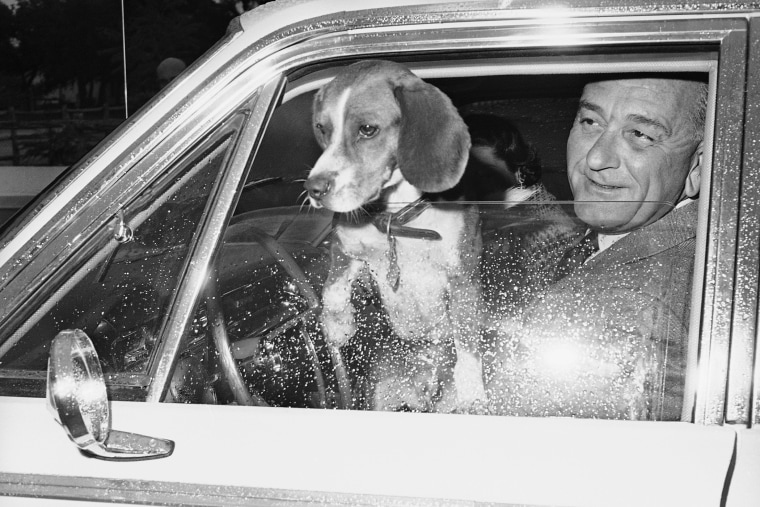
(126,248)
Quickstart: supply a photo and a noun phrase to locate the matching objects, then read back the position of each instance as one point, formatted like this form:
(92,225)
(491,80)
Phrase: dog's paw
(468,377)
(338,327)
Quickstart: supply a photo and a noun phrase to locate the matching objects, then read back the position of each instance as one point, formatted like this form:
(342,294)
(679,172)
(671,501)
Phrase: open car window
(602,347)
(599,343)
(275,261)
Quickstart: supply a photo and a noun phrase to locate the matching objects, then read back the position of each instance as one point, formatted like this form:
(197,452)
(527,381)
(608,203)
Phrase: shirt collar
(607,240)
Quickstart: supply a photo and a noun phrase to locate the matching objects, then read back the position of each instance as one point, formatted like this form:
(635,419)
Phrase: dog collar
(394,224)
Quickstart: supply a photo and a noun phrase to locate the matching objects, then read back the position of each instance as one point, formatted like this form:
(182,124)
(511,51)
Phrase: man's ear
(694,176)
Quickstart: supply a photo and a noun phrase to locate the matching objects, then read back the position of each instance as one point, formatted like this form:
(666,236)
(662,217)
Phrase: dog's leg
(468,378)
(338,321)
(466,312)
(468,371)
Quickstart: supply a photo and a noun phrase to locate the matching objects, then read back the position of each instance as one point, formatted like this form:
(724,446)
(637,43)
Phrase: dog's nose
(317,187)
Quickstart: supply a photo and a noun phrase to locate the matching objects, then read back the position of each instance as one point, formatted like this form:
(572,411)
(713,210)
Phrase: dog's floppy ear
(434,141)
(316,106)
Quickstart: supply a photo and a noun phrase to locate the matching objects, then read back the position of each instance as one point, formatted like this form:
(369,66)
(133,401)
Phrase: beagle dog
(391,143)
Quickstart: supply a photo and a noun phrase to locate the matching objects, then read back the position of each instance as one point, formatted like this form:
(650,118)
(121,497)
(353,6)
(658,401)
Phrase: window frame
(726,37)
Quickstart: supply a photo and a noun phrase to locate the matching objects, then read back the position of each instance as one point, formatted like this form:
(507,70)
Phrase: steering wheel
(218,327)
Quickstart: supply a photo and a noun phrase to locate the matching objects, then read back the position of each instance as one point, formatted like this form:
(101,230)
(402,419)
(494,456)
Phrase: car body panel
(553,461)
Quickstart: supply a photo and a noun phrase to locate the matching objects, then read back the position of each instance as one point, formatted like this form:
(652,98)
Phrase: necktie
(576,255)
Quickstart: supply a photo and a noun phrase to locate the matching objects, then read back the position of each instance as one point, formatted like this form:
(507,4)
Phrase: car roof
(281,13)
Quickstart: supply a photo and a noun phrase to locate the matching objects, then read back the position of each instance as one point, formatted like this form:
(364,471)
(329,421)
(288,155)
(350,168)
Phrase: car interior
(275,255)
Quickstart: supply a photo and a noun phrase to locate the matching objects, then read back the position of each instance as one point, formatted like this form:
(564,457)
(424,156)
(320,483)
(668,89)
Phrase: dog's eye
(367,131)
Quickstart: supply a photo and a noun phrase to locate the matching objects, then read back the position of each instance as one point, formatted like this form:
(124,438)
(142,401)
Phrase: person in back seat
(608,339)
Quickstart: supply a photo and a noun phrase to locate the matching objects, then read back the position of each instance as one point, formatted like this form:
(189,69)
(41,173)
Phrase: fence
(54,137)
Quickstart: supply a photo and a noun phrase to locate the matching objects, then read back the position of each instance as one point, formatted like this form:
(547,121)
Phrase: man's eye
(367,131)
(642,136)
(586,122)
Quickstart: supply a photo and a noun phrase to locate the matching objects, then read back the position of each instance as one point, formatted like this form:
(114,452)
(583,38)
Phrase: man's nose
(604,153)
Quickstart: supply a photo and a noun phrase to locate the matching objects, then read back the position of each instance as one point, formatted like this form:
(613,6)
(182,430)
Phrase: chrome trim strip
(701,62)
(206,244)
(718,291)
(744,371)
(292,13)
(700,255)
(130,491)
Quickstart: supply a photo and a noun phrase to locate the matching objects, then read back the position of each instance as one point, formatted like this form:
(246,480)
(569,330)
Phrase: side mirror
(76,394)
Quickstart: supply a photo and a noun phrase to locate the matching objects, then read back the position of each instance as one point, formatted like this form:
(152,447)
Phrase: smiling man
(609,338)
(635,150)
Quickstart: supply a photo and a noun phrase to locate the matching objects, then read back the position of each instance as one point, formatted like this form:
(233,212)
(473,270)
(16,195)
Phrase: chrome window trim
(181,493)
(699,62)
(722,212)
(207,242)
(743,396)
(345,13)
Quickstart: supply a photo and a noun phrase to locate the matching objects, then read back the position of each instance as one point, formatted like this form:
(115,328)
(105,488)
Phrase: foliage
(78,43)
(63,42)
(8,58)
(47,46)
(183,29)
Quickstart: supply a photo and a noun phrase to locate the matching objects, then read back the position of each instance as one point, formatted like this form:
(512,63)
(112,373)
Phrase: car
(159,318)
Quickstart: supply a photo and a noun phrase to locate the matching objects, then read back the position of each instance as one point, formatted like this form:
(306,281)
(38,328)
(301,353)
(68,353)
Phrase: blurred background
(62,67)
(72,70)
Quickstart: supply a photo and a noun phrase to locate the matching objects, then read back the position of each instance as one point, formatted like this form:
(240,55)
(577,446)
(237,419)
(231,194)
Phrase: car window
(308,307)
(543,354)
(121,295)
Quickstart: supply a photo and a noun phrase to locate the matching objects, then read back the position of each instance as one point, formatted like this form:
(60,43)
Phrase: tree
(183,29)
(8,57)
(62,42)
(79,42)
(11,87)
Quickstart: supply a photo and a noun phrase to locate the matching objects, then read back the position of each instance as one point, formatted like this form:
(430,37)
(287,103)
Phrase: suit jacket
(610,339)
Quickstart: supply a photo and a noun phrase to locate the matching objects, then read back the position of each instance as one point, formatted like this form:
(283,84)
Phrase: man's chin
(606,217)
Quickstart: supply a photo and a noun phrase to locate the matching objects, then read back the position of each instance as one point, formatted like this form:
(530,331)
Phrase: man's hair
(698,113)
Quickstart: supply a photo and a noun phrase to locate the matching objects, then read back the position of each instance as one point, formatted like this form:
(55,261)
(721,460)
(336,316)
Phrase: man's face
(631,148)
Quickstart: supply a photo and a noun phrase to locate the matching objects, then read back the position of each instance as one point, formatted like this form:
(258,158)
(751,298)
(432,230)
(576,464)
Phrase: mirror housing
(76,395)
